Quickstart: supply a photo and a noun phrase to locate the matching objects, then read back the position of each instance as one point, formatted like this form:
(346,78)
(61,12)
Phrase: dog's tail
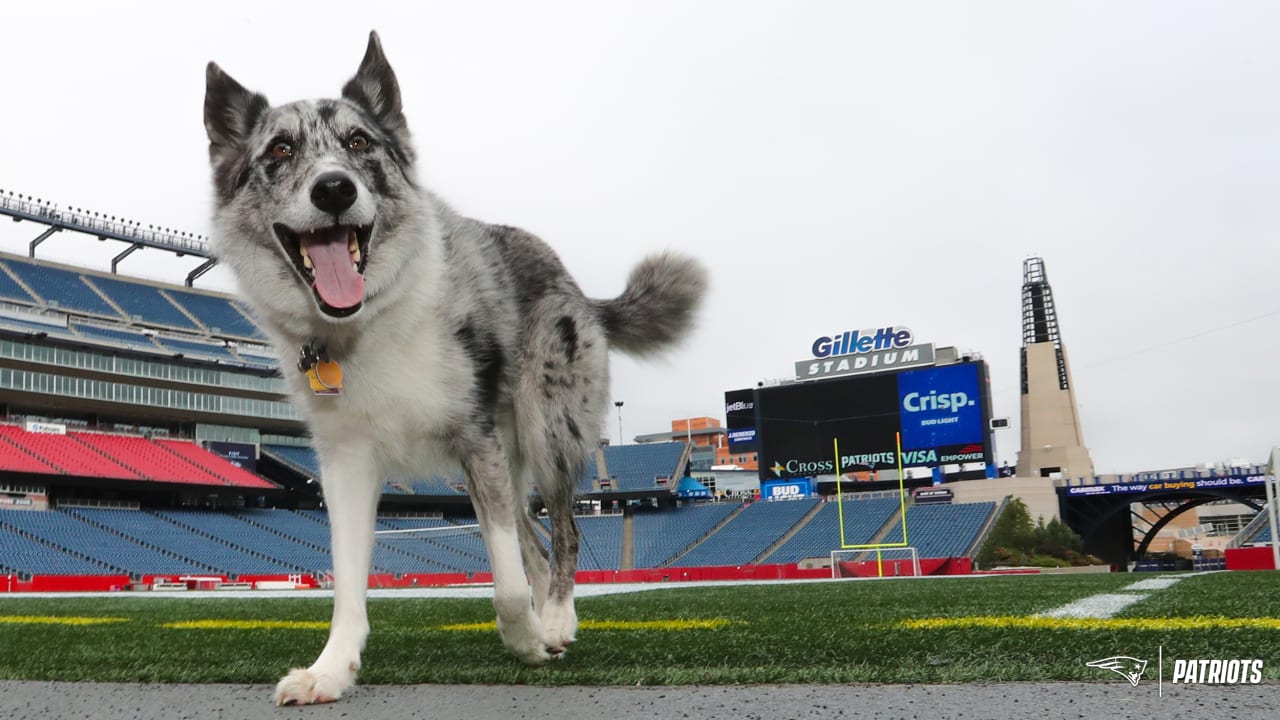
(658,305)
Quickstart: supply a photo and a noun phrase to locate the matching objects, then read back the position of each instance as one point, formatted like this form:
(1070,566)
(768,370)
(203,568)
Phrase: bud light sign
(939,406)
(788,489)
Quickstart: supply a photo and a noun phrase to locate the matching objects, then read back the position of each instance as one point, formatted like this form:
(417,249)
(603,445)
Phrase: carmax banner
(1172,484)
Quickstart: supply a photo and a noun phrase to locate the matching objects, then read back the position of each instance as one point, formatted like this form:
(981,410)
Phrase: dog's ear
(230,111)
(375,89)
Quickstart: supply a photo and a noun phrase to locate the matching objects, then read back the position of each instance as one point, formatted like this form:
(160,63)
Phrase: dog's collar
(324,374)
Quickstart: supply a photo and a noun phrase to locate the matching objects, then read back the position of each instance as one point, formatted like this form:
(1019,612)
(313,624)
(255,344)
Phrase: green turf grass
(788,633)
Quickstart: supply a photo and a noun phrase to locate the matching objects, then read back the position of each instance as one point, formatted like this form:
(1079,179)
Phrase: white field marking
(1151,584)
(1105,605)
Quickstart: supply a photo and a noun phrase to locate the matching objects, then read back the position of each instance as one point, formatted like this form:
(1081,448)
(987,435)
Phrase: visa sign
(939,407)
(851,342)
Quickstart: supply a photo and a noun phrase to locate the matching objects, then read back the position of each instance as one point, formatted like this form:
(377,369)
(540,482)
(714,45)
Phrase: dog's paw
(526,640)
(560,624)
(303,686)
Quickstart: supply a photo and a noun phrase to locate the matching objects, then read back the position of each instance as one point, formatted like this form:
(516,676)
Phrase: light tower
(1051,439)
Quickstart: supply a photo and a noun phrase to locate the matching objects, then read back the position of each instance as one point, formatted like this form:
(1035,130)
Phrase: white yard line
(1105,605)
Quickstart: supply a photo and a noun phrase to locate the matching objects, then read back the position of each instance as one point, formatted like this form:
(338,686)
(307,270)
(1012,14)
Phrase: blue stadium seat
(61,288)
(749,534)
(143,302)
(863,518)
(118,335)
(636,467)
(217,314)
(939,531)
(659,535)
(12,291)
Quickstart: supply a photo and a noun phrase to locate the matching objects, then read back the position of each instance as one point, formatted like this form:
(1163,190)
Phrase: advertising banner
(242,455)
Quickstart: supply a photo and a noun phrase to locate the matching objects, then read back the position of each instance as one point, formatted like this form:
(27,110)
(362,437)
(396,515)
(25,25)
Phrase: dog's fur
(470,345)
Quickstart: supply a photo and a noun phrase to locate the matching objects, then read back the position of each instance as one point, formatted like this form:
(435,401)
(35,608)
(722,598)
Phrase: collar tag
(323,374)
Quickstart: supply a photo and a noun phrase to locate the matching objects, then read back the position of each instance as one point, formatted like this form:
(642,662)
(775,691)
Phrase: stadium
(148,453)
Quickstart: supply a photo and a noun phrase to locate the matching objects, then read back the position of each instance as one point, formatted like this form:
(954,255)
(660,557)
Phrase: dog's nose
(333,193)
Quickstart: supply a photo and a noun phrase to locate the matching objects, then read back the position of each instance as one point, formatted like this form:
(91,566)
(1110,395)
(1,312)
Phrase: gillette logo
(851,342)
(916,402)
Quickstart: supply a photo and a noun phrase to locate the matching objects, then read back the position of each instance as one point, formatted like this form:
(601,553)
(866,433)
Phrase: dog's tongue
(337,282)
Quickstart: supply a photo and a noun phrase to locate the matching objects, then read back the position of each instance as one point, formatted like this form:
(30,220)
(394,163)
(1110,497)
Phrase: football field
(929,630)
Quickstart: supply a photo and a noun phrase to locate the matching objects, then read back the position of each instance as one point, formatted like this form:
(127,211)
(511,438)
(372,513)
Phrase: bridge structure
(1115,519)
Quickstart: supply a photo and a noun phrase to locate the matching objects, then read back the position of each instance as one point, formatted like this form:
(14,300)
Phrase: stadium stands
(747,535)
(660,535)
(68,455)
(120,335)
(637,467)
(215,465)
(219,315)
(76,537)
(142,303)
(601,545)
(863,518)
(147,459)
(943,530)
(11,290)
(61,288)
(302,458)
(22,554)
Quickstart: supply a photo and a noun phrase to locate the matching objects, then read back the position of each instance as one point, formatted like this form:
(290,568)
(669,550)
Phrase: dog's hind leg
(352,484)
(493,494)
(536,558)
(559,617)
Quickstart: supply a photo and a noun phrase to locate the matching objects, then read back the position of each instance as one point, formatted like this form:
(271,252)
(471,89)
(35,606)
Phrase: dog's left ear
(375,89)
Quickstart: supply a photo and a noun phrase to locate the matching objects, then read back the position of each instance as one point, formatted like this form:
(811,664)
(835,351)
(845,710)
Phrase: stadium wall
(1039,494)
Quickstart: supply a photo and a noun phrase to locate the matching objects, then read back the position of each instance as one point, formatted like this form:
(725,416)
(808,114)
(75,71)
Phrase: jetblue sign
(939,407)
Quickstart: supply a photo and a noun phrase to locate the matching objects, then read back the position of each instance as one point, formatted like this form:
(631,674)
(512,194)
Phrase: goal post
(875,562)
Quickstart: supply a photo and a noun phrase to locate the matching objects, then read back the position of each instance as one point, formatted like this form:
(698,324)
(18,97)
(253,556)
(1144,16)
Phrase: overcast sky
(837,165)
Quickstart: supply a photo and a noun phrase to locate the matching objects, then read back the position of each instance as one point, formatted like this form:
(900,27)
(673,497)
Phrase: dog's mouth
(331,260)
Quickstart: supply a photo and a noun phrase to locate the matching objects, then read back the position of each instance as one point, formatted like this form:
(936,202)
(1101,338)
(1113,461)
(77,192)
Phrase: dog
(428,342)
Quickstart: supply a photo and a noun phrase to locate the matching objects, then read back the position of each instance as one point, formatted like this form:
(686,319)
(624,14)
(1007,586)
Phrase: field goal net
(875,562)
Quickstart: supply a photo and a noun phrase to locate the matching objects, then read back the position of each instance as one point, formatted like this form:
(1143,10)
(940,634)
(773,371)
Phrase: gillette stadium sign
(859,351)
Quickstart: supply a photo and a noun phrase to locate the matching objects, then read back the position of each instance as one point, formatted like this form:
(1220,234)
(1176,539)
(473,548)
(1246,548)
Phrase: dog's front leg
(493,495)
(351,484)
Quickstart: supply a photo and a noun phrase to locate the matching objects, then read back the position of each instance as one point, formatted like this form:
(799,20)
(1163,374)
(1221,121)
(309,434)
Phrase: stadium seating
(219,315)
(67,532)
(68,455)
(659,535)
(61,288)
(272,552)
(21,554)
(748,535)
(636,467)
(196,348)
(151,461)
(142,303)
(11,290)
(26,327)
(214,464)
(302,458)
(119,335)
(943,530)
(601,545)
(458,550)
(863,518)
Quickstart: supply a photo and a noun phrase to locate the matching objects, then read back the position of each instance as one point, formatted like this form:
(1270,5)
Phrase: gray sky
(837,165)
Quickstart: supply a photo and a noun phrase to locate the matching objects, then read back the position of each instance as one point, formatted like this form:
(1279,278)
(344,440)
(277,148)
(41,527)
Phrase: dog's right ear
(230,111)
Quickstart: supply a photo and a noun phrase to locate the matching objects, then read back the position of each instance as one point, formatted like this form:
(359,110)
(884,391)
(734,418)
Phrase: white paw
(303,686)
(525,639)
(560,624)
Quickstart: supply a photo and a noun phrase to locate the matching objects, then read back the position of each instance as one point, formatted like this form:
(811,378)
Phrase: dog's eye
(282,150)
(358,141)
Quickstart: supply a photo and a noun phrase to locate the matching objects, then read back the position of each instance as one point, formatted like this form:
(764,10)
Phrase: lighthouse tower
(1052,443)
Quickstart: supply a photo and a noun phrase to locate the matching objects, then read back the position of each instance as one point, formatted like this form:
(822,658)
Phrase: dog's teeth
(306,261)
(355,266)
(352,245)
(355,254)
